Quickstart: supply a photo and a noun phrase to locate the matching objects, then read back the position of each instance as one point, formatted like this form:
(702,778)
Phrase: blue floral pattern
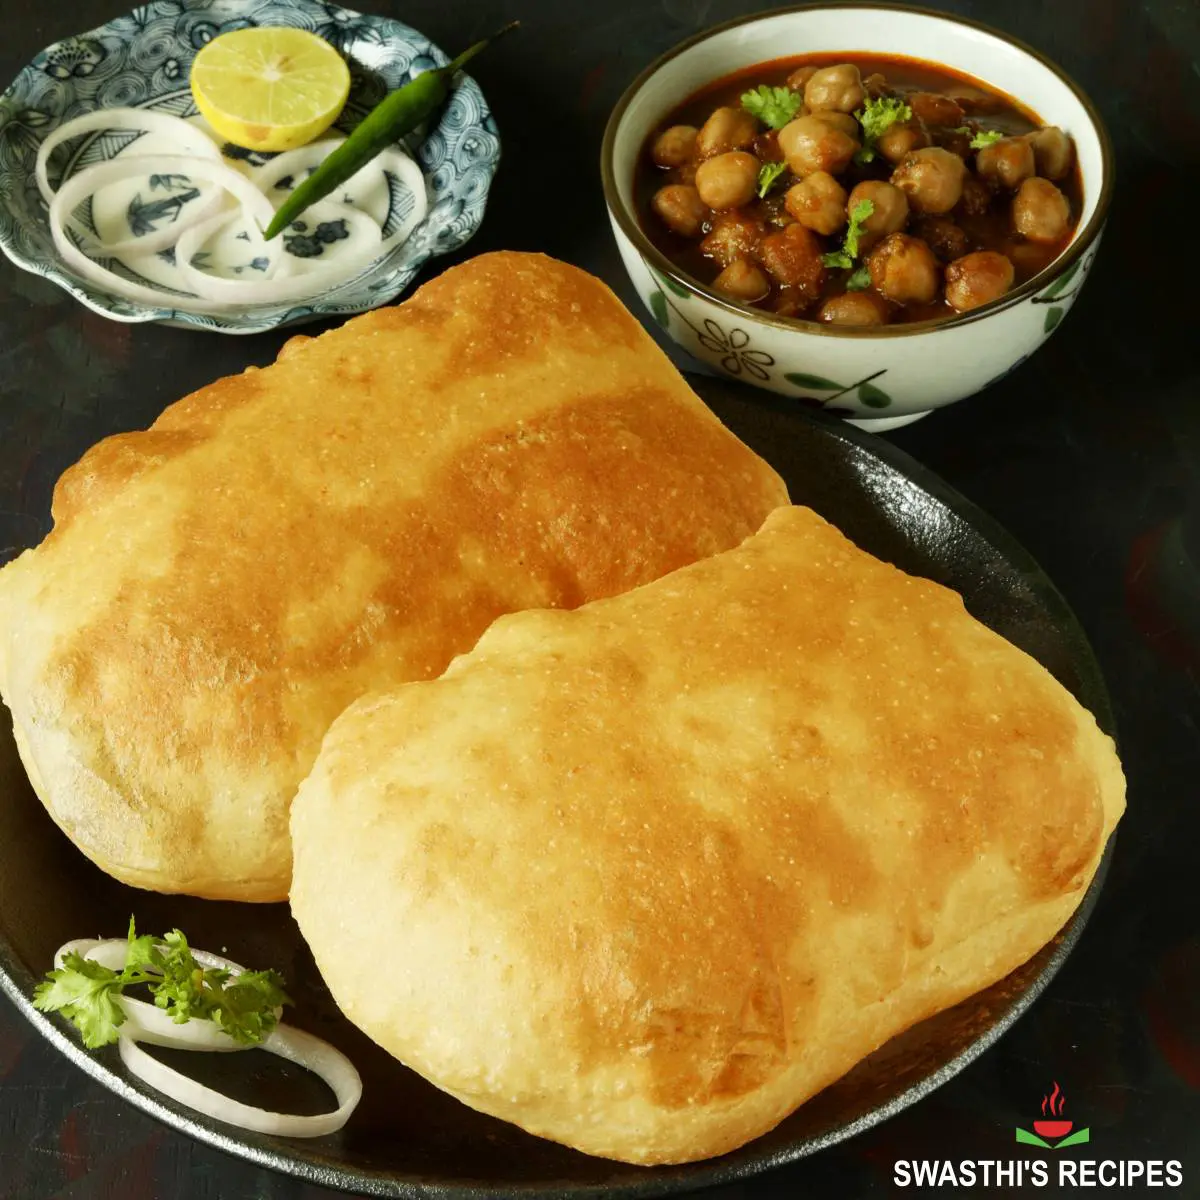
(75,56)
(144,58)
(312,245)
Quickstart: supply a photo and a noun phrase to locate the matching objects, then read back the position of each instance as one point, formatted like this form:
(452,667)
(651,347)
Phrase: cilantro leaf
(247,1007)
(981,138)
(142,951)
(243,1005)
(859,280)
(985,138)
(876,117)
(768,173)
(849,252)
(773,106)
(86,993)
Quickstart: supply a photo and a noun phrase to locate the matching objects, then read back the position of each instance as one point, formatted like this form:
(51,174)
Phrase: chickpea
(889,210)
(977,279)
(1029,257)
(901,139)
(1041,212)
(855,308)
(875,85)
(793,258)
(837,88)
(818,202)
(679,206)
(1006,163)
(726,129)
(904,269)
(727,181)
(733,235)
(843,121)
(809,145)
(1052,152)
(932,179)
(743,281)
(934,109)
(942,236)
(676,146)
(799,78)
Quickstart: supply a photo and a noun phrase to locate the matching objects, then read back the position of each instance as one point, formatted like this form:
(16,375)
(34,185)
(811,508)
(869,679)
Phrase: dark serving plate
(407,1138)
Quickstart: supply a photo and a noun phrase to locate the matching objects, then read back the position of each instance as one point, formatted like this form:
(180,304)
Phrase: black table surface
(1089,454)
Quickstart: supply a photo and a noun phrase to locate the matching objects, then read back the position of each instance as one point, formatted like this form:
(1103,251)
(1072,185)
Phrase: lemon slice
(269,88)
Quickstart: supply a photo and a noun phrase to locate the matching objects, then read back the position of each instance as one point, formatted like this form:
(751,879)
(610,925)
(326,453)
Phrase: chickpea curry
(865,192)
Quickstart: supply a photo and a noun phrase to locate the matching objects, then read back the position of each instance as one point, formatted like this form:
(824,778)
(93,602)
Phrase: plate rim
(17,982)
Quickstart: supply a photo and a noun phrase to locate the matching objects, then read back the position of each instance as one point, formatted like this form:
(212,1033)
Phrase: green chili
(392,118)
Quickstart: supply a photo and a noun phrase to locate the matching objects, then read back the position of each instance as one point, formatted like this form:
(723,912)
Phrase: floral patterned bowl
(884,377)
(143,60)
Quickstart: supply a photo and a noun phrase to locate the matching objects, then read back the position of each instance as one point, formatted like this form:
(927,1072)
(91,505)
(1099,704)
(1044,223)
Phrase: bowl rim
(1072,255)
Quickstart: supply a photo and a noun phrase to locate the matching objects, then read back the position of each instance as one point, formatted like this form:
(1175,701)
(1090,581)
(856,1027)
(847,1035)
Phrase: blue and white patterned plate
(143,60)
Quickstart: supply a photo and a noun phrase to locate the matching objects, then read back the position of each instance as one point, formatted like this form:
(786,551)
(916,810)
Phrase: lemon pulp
(269,88)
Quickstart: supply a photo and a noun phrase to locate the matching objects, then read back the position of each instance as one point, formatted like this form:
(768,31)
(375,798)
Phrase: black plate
(407,1138)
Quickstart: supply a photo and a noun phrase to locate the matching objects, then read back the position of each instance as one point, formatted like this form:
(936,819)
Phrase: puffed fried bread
(644,877)
(218,588)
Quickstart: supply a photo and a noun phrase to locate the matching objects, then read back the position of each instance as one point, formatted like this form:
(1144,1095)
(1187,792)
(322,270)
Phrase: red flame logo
(1053,1106)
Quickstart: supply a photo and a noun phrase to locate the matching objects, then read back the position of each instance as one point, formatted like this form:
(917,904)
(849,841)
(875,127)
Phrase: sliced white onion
(284,287)
(200,292)
(411,176)
(78,186)
(291,162)
(89,948)
(189,136)
(392,160)
(215,171)
(160,239)
(285,1041)
(111,952)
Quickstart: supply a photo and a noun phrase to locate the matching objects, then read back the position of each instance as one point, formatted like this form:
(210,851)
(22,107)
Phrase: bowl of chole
(854,205)
(622,801)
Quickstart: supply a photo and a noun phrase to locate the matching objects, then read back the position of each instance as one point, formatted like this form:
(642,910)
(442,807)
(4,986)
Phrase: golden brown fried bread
(643,877)
(217,589)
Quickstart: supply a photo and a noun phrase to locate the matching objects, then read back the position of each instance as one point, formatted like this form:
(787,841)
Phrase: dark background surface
(1089,454)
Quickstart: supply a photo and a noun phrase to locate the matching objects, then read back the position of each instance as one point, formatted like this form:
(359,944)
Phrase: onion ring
(291,161)
(121,118)
(190,137)
(411,175)
(391,160)
(284,1041)
(73,191)
(199,291)
(286,288)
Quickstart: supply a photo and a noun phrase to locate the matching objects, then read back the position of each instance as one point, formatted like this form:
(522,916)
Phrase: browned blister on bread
(643,877)
(218,588)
